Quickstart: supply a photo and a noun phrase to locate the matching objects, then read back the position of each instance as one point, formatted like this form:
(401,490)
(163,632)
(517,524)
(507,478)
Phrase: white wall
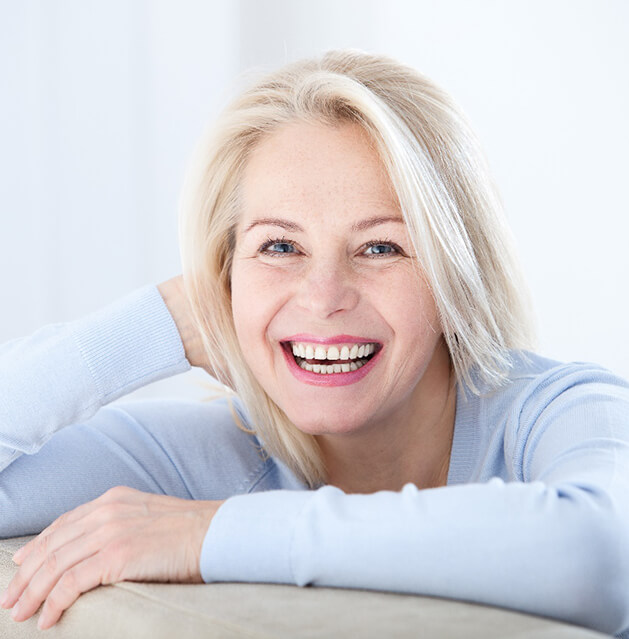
(101,103)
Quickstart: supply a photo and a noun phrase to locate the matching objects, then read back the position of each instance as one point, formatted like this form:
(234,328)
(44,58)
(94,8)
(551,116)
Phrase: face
(331,314)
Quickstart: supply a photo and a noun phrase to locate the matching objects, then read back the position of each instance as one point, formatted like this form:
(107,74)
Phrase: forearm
(523,546)
(64,373)
(549,534)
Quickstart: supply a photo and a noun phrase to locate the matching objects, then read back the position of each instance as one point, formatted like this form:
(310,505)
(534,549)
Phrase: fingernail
(16,610)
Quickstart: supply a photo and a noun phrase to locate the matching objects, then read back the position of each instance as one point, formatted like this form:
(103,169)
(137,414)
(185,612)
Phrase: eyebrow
(363,225)
(287,225)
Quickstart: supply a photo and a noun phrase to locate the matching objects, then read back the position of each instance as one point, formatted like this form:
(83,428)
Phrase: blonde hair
(445,194)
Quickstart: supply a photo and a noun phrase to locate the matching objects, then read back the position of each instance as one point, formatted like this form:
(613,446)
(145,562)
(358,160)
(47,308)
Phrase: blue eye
(277,247)
(376,249)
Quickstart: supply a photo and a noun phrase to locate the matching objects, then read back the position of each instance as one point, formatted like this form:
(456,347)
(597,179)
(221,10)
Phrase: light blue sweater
(535,515)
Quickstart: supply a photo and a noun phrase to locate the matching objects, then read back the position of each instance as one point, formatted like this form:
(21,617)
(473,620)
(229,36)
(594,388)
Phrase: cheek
(418,316)
(244,299)
(416,325)
(254,304)
(408,304)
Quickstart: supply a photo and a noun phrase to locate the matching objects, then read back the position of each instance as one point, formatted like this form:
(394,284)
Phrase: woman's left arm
(552,542)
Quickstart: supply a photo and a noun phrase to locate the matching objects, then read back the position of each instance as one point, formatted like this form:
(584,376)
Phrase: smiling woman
(348,274)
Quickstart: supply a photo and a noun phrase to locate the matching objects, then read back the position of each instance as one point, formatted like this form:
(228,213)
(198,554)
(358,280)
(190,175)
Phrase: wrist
(174,296)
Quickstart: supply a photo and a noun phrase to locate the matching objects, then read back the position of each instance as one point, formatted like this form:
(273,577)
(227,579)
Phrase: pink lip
(331,379)
(336,339)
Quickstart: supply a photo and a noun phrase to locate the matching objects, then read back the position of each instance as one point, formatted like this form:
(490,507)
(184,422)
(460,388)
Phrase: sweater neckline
(465,439)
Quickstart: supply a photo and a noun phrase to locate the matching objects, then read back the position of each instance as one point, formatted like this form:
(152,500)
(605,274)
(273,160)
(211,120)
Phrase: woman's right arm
(61,446)
(63,373)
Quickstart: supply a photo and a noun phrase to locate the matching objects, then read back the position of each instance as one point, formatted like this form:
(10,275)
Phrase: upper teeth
(316,351)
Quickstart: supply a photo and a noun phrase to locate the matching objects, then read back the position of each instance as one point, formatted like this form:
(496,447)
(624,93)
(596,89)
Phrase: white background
(101,103)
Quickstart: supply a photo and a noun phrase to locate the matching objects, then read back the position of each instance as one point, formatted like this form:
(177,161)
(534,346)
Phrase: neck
(413,445)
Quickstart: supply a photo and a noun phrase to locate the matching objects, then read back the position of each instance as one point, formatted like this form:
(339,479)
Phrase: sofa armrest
(131,610)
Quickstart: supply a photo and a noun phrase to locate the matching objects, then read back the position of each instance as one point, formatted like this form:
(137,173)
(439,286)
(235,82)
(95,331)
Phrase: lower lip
(328,379)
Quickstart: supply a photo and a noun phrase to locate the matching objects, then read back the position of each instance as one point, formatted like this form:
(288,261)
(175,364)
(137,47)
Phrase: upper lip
(335,339)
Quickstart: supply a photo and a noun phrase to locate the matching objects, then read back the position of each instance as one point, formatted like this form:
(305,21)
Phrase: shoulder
(195,423)
(536,380)
(543,402)
(210,444)
(220,417)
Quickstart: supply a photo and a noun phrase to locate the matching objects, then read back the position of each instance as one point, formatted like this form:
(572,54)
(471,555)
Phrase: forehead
(309,166)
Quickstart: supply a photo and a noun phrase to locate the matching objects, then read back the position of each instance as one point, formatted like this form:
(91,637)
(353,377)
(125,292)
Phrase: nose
(328,287)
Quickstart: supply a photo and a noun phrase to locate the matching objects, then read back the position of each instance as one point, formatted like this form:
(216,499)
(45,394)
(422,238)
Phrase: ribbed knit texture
(134,325)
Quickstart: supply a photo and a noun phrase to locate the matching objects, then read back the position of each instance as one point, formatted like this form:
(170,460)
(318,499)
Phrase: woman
(347,273)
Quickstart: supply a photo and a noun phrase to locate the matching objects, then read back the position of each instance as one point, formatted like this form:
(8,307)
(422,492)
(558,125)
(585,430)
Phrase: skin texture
(175,298)
(321,250)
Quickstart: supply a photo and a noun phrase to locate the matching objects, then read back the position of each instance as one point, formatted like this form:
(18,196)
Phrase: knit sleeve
(553,543)
(64,373)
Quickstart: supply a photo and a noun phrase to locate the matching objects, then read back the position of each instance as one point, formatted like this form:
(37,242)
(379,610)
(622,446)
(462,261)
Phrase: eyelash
(270,242)
(396,249)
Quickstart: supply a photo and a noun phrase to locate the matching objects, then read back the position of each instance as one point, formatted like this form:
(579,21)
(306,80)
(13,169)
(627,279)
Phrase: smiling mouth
(326,360)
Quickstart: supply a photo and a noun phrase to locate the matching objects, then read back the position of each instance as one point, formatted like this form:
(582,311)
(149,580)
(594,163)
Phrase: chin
(332,424)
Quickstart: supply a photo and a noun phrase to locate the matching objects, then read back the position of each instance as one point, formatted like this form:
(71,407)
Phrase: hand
(123,535)
(174,295)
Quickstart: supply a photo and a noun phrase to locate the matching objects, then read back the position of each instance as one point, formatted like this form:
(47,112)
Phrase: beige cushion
(155,611)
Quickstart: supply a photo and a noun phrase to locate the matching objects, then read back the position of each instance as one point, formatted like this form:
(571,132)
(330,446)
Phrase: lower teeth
(326,369)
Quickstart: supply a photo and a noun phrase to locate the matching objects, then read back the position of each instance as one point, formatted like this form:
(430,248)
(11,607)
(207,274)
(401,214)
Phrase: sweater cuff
(251,536)
(130,343)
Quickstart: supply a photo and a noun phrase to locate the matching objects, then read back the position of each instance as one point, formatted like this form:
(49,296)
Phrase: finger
(90,517)
(43,549)
(38,553)
(73,583)
(21,553)
(50,573)
(72,516)
(62,520)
